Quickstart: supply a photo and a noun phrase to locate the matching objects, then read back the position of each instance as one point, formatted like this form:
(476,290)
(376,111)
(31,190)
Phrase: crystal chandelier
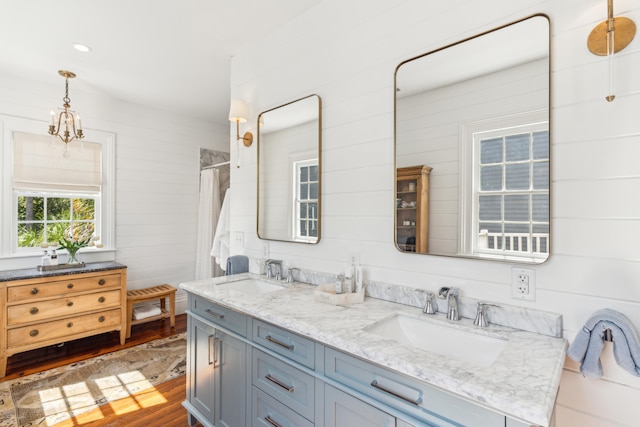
(67,127)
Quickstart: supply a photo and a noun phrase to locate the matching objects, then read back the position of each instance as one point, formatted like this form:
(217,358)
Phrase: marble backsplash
(522,318)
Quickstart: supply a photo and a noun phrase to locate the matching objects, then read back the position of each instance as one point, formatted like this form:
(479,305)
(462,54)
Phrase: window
(306,199)
(511,192)
(44,193)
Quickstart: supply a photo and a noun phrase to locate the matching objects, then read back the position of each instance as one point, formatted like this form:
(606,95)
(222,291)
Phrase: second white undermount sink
(251,286)
(464,345)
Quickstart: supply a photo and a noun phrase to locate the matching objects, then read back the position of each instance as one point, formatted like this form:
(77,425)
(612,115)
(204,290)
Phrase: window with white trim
(511,191)
(45,193)
(306,199)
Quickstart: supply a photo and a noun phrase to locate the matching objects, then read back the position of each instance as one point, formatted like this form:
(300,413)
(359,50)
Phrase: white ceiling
(169,54)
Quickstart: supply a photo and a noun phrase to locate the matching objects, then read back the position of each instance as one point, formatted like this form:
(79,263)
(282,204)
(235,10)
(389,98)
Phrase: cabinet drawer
(69,306)
(268,412)
(406,393)
(57,330)
(215,313)
(288,344)
(61,287)
(289,385)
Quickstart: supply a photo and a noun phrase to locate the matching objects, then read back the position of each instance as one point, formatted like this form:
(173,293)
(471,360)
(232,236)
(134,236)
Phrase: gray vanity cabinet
(216,374)
(344,410)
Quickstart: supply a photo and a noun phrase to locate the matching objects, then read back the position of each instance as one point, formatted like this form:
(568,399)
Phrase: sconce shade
(238,112)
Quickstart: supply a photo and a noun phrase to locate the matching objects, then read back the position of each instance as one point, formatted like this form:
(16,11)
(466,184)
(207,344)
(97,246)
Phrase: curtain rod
(216,165)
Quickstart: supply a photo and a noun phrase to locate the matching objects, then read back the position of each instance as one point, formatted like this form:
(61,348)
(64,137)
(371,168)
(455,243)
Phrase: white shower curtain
(208,213)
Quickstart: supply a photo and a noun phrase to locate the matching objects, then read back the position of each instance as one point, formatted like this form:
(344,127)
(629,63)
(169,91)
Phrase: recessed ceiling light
(81,47)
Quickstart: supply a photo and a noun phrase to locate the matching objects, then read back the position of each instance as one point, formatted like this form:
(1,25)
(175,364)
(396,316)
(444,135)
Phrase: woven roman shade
(40,167)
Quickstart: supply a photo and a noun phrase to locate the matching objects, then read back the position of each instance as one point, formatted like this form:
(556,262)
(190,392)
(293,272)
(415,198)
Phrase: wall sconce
(238,113)
(610,37)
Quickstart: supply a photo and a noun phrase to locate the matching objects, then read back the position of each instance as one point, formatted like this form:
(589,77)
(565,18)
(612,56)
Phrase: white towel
(222,239)
(145,310)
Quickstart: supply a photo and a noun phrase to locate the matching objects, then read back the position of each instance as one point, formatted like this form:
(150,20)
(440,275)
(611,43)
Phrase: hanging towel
(589,342)
(222,238)
(237,264)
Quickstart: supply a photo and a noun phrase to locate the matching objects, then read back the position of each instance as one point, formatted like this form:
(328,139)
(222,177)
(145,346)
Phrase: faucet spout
(451,294)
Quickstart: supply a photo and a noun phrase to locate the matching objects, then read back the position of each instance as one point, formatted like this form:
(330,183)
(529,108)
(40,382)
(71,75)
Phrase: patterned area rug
(52,396)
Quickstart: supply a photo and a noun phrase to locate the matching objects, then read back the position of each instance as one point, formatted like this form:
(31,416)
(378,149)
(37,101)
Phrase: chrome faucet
(290,271)
(429,306)
(269,272)
(451,294)
(481,318)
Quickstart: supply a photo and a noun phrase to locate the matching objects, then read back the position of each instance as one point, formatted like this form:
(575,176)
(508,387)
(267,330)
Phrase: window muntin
(511,212)
(44,217)
(306,199)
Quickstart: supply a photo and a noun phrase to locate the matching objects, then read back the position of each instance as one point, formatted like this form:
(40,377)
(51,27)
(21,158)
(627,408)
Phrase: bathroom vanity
(265,354)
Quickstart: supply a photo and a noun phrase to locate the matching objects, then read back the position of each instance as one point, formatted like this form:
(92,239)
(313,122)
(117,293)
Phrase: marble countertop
(34,273)
(521,383)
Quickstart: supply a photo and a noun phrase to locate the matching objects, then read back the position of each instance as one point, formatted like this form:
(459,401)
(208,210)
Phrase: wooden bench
(149,294)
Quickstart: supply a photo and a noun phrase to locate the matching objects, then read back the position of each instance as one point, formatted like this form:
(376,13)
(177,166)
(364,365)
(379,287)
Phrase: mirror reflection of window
(306,199)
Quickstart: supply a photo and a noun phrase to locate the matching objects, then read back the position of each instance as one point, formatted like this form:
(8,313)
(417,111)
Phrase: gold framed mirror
(472,147)
(289,171)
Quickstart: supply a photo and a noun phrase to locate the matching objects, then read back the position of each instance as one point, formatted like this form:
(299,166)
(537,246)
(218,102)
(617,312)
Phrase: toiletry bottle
(358,279)
(348,282)
(45,258)
(339,284)
(54,257)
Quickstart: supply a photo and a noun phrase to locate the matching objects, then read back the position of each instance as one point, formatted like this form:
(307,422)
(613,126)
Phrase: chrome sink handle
(481,320)
(429,306)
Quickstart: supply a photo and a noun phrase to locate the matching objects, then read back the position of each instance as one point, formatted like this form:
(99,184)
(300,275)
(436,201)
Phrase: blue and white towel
(589,342)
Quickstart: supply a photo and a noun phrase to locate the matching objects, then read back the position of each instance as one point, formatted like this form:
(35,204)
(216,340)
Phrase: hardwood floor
(161,406)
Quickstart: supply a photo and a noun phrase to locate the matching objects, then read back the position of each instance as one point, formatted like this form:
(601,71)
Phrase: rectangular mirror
(472,147)
(289,171)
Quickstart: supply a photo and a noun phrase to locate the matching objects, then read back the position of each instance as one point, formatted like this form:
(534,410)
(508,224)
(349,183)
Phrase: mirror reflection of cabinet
(412,208)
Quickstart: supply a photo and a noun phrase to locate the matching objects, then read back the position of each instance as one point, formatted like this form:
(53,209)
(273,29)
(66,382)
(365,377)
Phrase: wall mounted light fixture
(238,113)
(68,126)
(610,37)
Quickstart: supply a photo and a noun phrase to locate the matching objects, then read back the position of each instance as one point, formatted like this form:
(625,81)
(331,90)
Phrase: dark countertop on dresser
(34,273)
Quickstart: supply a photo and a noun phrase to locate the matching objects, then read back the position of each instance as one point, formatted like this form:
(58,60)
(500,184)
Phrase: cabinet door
(343,410)
(201,365)
(230,380)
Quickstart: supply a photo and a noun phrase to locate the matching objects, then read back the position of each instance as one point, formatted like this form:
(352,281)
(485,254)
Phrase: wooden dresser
(46,308)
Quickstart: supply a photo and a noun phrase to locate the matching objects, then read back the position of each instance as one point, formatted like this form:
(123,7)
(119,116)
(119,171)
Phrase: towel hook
(607,335)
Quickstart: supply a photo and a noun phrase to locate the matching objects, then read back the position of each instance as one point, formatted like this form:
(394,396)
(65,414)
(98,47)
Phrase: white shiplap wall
(347,51)
(157,177)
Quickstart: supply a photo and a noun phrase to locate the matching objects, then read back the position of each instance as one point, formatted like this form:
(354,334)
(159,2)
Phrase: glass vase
(73,259)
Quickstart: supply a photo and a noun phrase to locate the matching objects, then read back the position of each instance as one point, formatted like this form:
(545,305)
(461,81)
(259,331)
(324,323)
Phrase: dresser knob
(70,286)
(34,333)
(34,310)
(69,303)
(34,291)
(101,282)
(101,319)
(70,324)
(101,299)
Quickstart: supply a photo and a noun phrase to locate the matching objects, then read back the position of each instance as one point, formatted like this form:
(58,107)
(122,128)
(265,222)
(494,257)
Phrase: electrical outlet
(238,239)
(354,258)
(523,284)
(265,250)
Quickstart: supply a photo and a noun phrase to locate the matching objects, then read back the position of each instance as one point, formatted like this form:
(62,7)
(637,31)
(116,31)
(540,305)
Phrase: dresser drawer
(59,330)
(66,306)
(57,288)
(289,385)
(268,412)
(223,316)
(288,344)
(406,393)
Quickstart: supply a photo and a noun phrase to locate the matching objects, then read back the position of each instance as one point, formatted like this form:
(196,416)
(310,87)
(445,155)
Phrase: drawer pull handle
(101,299)
(34,310)
(101,282)
(69,303)
(214,314)
(213,348)
(70,286)
(101,319)
(34,333)
(279,383)
(70,324)
(271,422)
(281,344)
(34,291)
(375,384)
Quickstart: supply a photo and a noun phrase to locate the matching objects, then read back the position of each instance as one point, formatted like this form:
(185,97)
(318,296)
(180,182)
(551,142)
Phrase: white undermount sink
(463,345)
(250,286)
